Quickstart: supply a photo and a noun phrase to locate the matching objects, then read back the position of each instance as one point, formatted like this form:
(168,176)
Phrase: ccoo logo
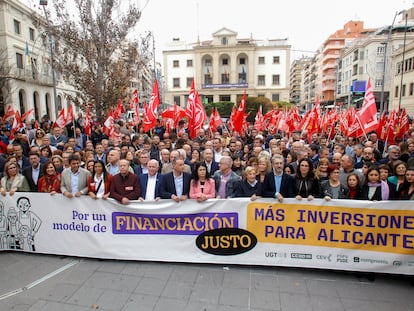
(226,241)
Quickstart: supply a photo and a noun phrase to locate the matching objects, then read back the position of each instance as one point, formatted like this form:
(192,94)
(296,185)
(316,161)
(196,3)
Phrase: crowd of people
(133,165)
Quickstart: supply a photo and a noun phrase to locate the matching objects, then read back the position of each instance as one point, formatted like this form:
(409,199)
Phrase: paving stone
(141,302)
(234,297)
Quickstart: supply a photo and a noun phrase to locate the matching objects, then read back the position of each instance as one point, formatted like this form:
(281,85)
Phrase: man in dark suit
(278,184)
(22,160)
(212,166)
(34,171)
(150,183)
(176,184)
(142,168)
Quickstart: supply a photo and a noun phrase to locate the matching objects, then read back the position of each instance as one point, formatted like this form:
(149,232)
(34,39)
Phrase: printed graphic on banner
(226,241)
(180,224)
(18,226)
(377,230)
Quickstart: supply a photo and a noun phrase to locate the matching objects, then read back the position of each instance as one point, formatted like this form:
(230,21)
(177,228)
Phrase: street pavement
(38,282)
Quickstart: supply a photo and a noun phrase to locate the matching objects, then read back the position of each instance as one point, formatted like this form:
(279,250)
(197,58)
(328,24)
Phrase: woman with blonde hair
(263,168)
(249,186)
(12,181)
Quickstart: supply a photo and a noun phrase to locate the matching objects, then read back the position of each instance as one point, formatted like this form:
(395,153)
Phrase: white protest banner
(340,234)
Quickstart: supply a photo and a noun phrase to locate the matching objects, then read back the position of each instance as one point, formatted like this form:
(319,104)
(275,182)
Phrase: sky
(305,23)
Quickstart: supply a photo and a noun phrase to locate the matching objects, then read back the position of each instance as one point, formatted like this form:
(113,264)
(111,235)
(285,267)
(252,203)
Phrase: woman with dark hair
(305,184)
(332,187)
(45,152)
(50,181)
(237,165)
(407,192)
(354,186)
(398,178)
(374,189)
(202,186)
(99,182)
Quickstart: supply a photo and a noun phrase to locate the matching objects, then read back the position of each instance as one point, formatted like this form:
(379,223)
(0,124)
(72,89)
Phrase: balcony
(31,77)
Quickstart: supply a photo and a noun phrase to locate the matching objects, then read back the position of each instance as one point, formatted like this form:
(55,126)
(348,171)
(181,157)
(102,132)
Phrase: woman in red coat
(99,182)
(50,181)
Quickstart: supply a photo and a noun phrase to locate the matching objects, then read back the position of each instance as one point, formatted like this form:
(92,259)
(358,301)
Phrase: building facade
(297,68)
(26,56)
(226,66)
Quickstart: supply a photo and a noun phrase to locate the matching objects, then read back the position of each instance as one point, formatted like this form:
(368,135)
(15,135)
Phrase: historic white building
(226,66)
(26,55)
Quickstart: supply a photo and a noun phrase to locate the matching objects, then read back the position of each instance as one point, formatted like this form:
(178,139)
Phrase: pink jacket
(209,189)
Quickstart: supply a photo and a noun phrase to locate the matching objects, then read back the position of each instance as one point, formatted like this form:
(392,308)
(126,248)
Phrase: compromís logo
(226,241)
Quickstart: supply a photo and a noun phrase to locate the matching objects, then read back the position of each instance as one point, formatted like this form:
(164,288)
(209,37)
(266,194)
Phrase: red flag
(17,124)
(403,124)
(87,124)
(258,120)
(151,114)
(136,118)
(382,126)
(108,126)
(175,113)
(215,120)
(119,110)
(27,114)
(60,120)
(70,116)
(37,125)
(195,112)
(134,99)
(9,113)
(313,120)
(239,115)
(368,114)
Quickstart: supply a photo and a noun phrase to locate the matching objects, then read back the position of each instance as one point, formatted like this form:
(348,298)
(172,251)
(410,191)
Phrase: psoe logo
(300,256)
(226,241)
(342,258)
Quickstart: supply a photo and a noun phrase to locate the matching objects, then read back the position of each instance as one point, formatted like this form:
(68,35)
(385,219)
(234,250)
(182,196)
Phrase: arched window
(21,102)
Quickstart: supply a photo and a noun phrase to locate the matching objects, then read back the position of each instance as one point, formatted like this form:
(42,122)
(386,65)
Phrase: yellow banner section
(378,230)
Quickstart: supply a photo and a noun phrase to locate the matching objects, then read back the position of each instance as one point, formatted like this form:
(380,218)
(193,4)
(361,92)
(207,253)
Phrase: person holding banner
(374,189)
(12,181)
(176,184)
(250,186)
(202,186)
(277,184)
(50,180)
(74,180)
(125,185)
(333,188)
(99,182)
(305,184)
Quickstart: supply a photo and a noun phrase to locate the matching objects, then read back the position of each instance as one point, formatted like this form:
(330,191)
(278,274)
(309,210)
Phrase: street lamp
(43,3)
(386,43)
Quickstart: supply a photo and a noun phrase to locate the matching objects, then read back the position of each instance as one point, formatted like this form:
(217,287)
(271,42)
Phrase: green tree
(94,55)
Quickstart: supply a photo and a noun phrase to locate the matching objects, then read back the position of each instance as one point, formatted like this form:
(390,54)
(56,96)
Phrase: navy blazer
(286,186)
(214,167)
(167,185)
(143,180)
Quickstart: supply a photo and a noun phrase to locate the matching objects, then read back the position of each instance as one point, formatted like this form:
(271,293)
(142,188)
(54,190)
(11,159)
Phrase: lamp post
(386,43)
(43,3)
(402,63)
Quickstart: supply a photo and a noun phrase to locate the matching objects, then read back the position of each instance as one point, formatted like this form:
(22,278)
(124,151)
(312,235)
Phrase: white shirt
(150,195)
